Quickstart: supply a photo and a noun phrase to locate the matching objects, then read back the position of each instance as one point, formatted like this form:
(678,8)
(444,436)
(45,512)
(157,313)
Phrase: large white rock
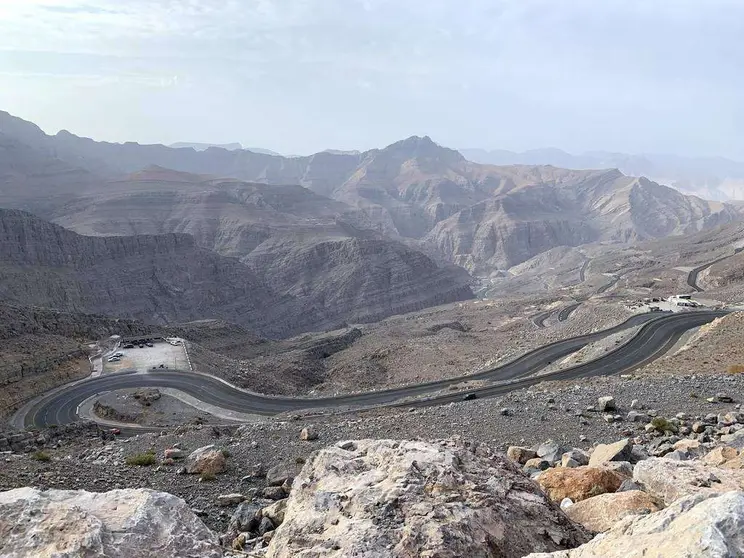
(668,480)
(699,526)
(116,524)
(383,498)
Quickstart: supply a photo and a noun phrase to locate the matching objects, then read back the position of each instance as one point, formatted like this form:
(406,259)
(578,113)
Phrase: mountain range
(714,178)
(346,236)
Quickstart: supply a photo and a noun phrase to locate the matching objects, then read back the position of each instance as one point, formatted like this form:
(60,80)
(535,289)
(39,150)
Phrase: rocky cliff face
(158,278)
(167,278)
(358,280)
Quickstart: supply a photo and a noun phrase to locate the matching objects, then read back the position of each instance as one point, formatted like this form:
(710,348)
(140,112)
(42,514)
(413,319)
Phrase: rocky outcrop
(600,513)
(668,480)
(578,483)
(116,524)
(410,499)
(705,526)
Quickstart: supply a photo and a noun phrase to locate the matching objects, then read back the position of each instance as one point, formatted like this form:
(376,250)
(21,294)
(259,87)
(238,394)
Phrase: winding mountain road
(692,277)
(657,334)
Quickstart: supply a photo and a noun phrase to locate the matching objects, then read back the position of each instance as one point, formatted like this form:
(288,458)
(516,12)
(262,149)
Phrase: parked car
(148,344)
(470,397)
(128,346)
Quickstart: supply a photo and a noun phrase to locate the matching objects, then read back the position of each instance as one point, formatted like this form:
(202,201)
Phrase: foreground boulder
(116,524)
(668,480)
(700,526)
(600,513)
(409,499)
(206,461)
(579,483)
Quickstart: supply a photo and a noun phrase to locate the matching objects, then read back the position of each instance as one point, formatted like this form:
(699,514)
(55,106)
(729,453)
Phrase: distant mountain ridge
(714,178)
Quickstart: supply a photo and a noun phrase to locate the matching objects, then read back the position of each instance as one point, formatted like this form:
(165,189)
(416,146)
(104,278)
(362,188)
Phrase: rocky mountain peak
(417,147)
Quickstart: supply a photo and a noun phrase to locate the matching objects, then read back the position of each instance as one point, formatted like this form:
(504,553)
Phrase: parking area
(143,358)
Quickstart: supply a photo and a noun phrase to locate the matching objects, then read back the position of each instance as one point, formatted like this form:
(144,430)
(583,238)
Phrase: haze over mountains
(354,234)
(715,178)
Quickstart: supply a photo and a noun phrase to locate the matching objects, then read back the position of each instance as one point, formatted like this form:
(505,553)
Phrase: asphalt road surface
(566,312)
(658,334)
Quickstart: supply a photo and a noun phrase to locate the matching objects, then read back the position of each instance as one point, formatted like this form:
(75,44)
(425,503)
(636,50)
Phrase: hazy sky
(302,75)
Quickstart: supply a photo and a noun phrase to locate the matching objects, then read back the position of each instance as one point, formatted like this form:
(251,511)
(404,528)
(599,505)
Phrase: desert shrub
(142,459)
(207,477)
(663,425)
(41,456)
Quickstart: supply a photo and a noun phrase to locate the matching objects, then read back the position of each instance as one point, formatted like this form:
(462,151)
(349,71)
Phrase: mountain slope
(225,215)
(361,280)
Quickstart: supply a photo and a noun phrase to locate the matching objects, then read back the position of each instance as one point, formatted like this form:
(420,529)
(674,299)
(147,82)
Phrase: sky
(299,76)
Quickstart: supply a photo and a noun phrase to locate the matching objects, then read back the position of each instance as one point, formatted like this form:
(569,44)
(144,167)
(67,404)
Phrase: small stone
(635,404)
(537,463)
(636,416)
(520,454)
(628,485)
(275,512)
(174,453)
(578,455)
(308,434)
(229,499)
(698,427)
(265,526)
(551,451)
(274,493)
(724,398)
(677,455)
(505,412)
(347,445)
(606,403)
(720,455)
(603,453)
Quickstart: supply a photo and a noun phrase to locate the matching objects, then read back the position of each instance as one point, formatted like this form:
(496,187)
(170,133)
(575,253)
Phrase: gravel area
(147,358)
(148,407)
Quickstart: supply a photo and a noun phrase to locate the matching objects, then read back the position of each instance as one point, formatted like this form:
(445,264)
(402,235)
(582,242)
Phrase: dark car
(470,397)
